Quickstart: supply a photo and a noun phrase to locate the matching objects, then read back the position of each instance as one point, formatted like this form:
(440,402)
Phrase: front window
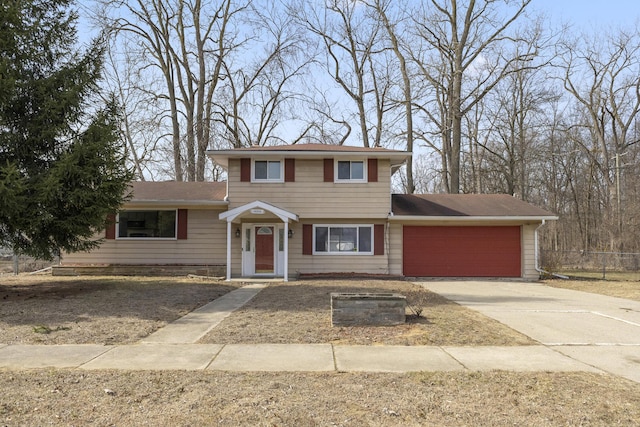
(147,224)
(267,170)
(343,239)
(351,170)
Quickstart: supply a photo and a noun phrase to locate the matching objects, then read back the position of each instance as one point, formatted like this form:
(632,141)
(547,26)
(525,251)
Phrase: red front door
(264,249)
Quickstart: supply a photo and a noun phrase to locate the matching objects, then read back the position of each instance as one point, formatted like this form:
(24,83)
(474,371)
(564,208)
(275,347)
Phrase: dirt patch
(612,288)
(300,312)
(96,310)
(108,398)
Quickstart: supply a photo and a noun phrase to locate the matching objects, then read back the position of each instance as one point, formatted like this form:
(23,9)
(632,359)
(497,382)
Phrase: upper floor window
(147,224)
(267,170)
(351,170)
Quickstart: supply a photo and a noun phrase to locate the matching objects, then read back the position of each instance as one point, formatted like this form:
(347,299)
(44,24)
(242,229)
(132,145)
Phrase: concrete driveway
(598,330)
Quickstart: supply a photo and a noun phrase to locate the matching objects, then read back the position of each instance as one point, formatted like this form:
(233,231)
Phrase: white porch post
(228,251)
(286,251)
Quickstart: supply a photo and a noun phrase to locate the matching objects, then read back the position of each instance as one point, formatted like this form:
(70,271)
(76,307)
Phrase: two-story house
(316,208)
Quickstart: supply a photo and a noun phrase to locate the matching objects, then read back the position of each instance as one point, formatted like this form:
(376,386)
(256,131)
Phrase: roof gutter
(460,218)
(537,256)
(187,203)
(397,158)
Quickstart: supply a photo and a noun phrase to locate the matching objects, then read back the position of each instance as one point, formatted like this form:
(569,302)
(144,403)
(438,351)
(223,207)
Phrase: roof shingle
(476,205)
(173,191)
(316,147)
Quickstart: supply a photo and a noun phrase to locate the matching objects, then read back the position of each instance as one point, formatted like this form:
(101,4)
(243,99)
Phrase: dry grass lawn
(612,288)
(114,310)
(180,398)
(96,310)
(300,312)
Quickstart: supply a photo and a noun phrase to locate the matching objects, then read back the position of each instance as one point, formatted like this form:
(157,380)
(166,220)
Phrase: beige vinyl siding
(310,197)
(395,248)
(205,245)
(529,271)
(236,252)
(299,263)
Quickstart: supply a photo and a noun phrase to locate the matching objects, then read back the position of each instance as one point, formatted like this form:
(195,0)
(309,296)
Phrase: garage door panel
(462,251)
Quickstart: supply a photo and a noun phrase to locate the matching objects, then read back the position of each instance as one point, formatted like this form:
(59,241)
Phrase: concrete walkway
(600,331)
(173,346)
(288,357)
(195,325)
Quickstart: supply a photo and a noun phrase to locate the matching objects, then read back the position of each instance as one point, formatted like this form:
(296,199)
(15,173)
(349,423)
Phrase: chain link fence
(590,264)
(11,265)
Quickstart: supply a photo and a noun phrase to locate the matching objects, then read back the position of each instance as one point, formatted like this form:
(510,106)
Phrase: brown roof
(317,147)
(308,151)
(173,191)
(476,205)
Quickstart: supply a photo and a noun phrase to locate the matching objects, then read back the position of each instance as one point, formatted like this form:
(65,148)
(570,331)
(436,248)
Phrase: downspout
(536,255)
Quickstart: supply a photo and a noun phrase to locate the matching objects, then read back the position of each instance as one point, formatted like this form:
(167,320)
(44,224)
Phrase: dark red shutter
(110,231)
(245,170)
(378,239)
(182,224)
(307,239)
(289,170)
(328,170)
(372,170)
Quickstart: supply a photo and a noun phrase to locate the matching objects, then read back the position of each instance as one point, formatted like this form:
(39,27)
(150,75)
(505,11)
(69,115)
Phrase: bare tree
(382,10)
(222,68)
(350,39)
(513,117)
(603,77)
(257,94)
(460,39)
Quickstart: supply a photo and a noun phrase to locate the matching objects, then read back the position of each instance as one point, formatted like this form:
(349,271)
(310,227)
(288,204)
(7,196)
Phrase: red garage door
(461,251)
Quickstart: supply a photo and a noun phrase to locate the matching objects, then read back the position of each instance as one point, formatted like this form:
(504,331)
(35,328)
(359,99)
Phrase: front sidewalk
(525,307)
(288,357)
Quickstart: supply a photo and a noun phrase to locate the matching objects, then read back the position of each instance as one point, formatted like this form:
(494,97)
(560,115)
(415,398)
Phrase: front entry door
(264,250)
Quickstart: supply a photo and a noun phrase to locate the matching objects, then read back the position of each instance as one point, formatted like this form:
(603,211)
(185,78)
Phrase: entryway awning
(258,207)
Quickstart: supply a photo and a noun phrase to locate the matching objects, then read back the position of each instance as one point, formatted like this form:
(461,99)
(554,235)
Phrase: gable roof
(465,206)
(308,151)
(232,214)
(178,193)
(316,147)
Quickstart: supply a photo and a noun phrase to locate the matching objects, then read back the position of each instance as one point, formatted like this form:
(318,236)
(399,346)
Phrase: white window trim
(155,239)
(365,172)
(347,253)
(253,170)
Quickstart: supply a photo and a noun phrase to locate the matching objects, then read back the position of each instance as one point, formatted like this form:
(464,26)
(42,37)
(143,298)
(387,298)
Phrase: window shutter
(245,170)
(378,239)
(182,224)
(307,239)
(289,170)
(372,170)
(328,170)
(110,231)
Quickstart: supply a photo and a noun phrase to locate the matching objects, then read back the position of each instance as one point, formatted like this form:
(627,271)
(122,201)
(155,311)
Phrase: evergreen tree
(62,170)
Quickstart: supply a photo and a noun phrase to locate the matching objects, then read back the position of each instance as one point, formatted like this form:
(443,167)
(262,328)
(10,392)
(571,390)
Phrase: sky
(591,13)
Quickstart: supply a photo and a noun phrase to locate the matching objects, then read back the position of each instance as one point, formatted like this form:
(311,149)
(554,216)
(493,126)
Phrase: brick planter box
(138,270)
(367,309)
